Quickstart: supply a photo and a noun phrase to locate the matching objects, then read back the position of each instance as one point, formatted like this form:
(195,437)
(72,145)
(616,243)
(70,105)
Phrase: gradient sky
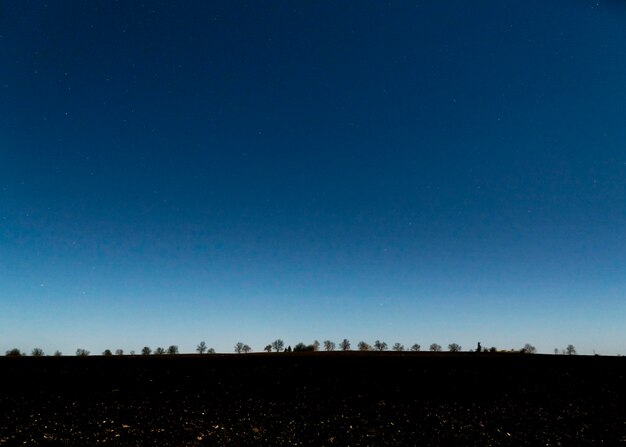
(410,171)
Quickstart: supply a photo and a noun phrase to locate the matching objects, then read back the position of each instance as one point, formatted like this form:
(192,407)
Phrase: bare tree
(363,346)
(119,352)
(380,345)
(528,349)
(398,347)
(316,345)
(37,352)
(453,347)
(570,350)
(146,350)
(239,347)
(278,345)
(201,348)
(82,352)
(435,348)
(329,345)
(344,345)
(159,351)
(107,352)
(416,347)
(268,348)
(246,349)
(172,350)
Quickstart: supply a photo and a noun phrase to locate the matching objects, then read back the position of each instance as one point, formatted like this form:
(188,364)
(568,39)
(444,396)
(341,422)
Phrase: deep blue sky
(242,171)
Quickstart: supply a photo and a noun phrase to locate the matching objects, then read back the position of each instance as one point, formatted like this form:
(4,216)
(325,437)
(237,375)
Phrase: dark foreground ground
(317,399)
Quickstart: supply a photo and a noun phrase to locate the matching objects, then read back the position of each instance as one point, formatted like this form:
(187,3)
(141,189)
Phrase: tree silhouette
(107,352)
(268,348)
(172,350)
(556,351)
(58,353)
(362,346)
(246,349)
(120,352)
(278,345)
(211,351)
(159,351)
(37,352)
(146,350)
(398,347)
(82,352)
(201,348)
(14,353)
(570,350)
(239,347)
(316,345)
(435,347)
(529,349)
(344,345)
(416,347)
(453,347)
(380,345)
(329,345)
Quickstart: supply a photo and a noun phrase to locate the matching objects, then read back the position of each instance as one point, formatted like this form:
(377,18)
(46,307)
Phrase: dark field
(317,399)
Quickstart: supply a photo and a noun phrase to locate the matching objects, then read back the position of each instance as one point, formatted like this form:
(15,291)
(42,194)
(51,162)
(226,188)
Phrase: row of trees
(279,346)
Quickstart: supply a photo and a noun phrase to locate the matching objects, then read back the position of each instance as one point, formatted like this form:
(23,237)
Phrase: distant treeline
(279,346)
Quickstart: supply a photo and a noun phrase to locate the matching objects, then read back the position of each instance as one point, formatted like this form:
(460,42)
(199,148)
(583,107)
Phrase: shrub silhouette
(14,353)
(278,345)
(201,348)
(159,351)
(453,347)
(121,352)
(528,349)
(107,352)
(434,348)
(380,345)
(58,353)
(301,347)
(82,352)
(398,347)
(172,350)
(37,352)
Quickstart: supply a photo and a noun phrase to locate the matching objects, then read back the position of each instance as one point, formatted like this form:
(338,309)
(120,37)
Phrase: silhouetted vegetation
(329,345)
(380,345)
(14,353)
(453,347)
(239,347)
(363,346)
(398,347)
(268,348)
(344,345)
(121,352)
(37,352)
(172,350)
(58,353)
(278,345)
(434,348)
(82,352)
(528,349)
(201,348)
(416,347)
(301,347)
(316,345)
(211,351)
(159,351)
(146,350)
(107,352)
(570,350)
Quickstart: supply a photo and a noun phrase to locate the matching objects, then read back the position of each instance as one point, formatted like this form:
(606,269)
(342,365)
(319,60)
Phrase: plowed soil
(316,399)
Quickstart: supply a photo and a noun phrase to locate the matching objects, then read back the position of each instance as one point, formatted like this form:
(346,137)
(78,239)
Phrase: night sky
(409,171)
